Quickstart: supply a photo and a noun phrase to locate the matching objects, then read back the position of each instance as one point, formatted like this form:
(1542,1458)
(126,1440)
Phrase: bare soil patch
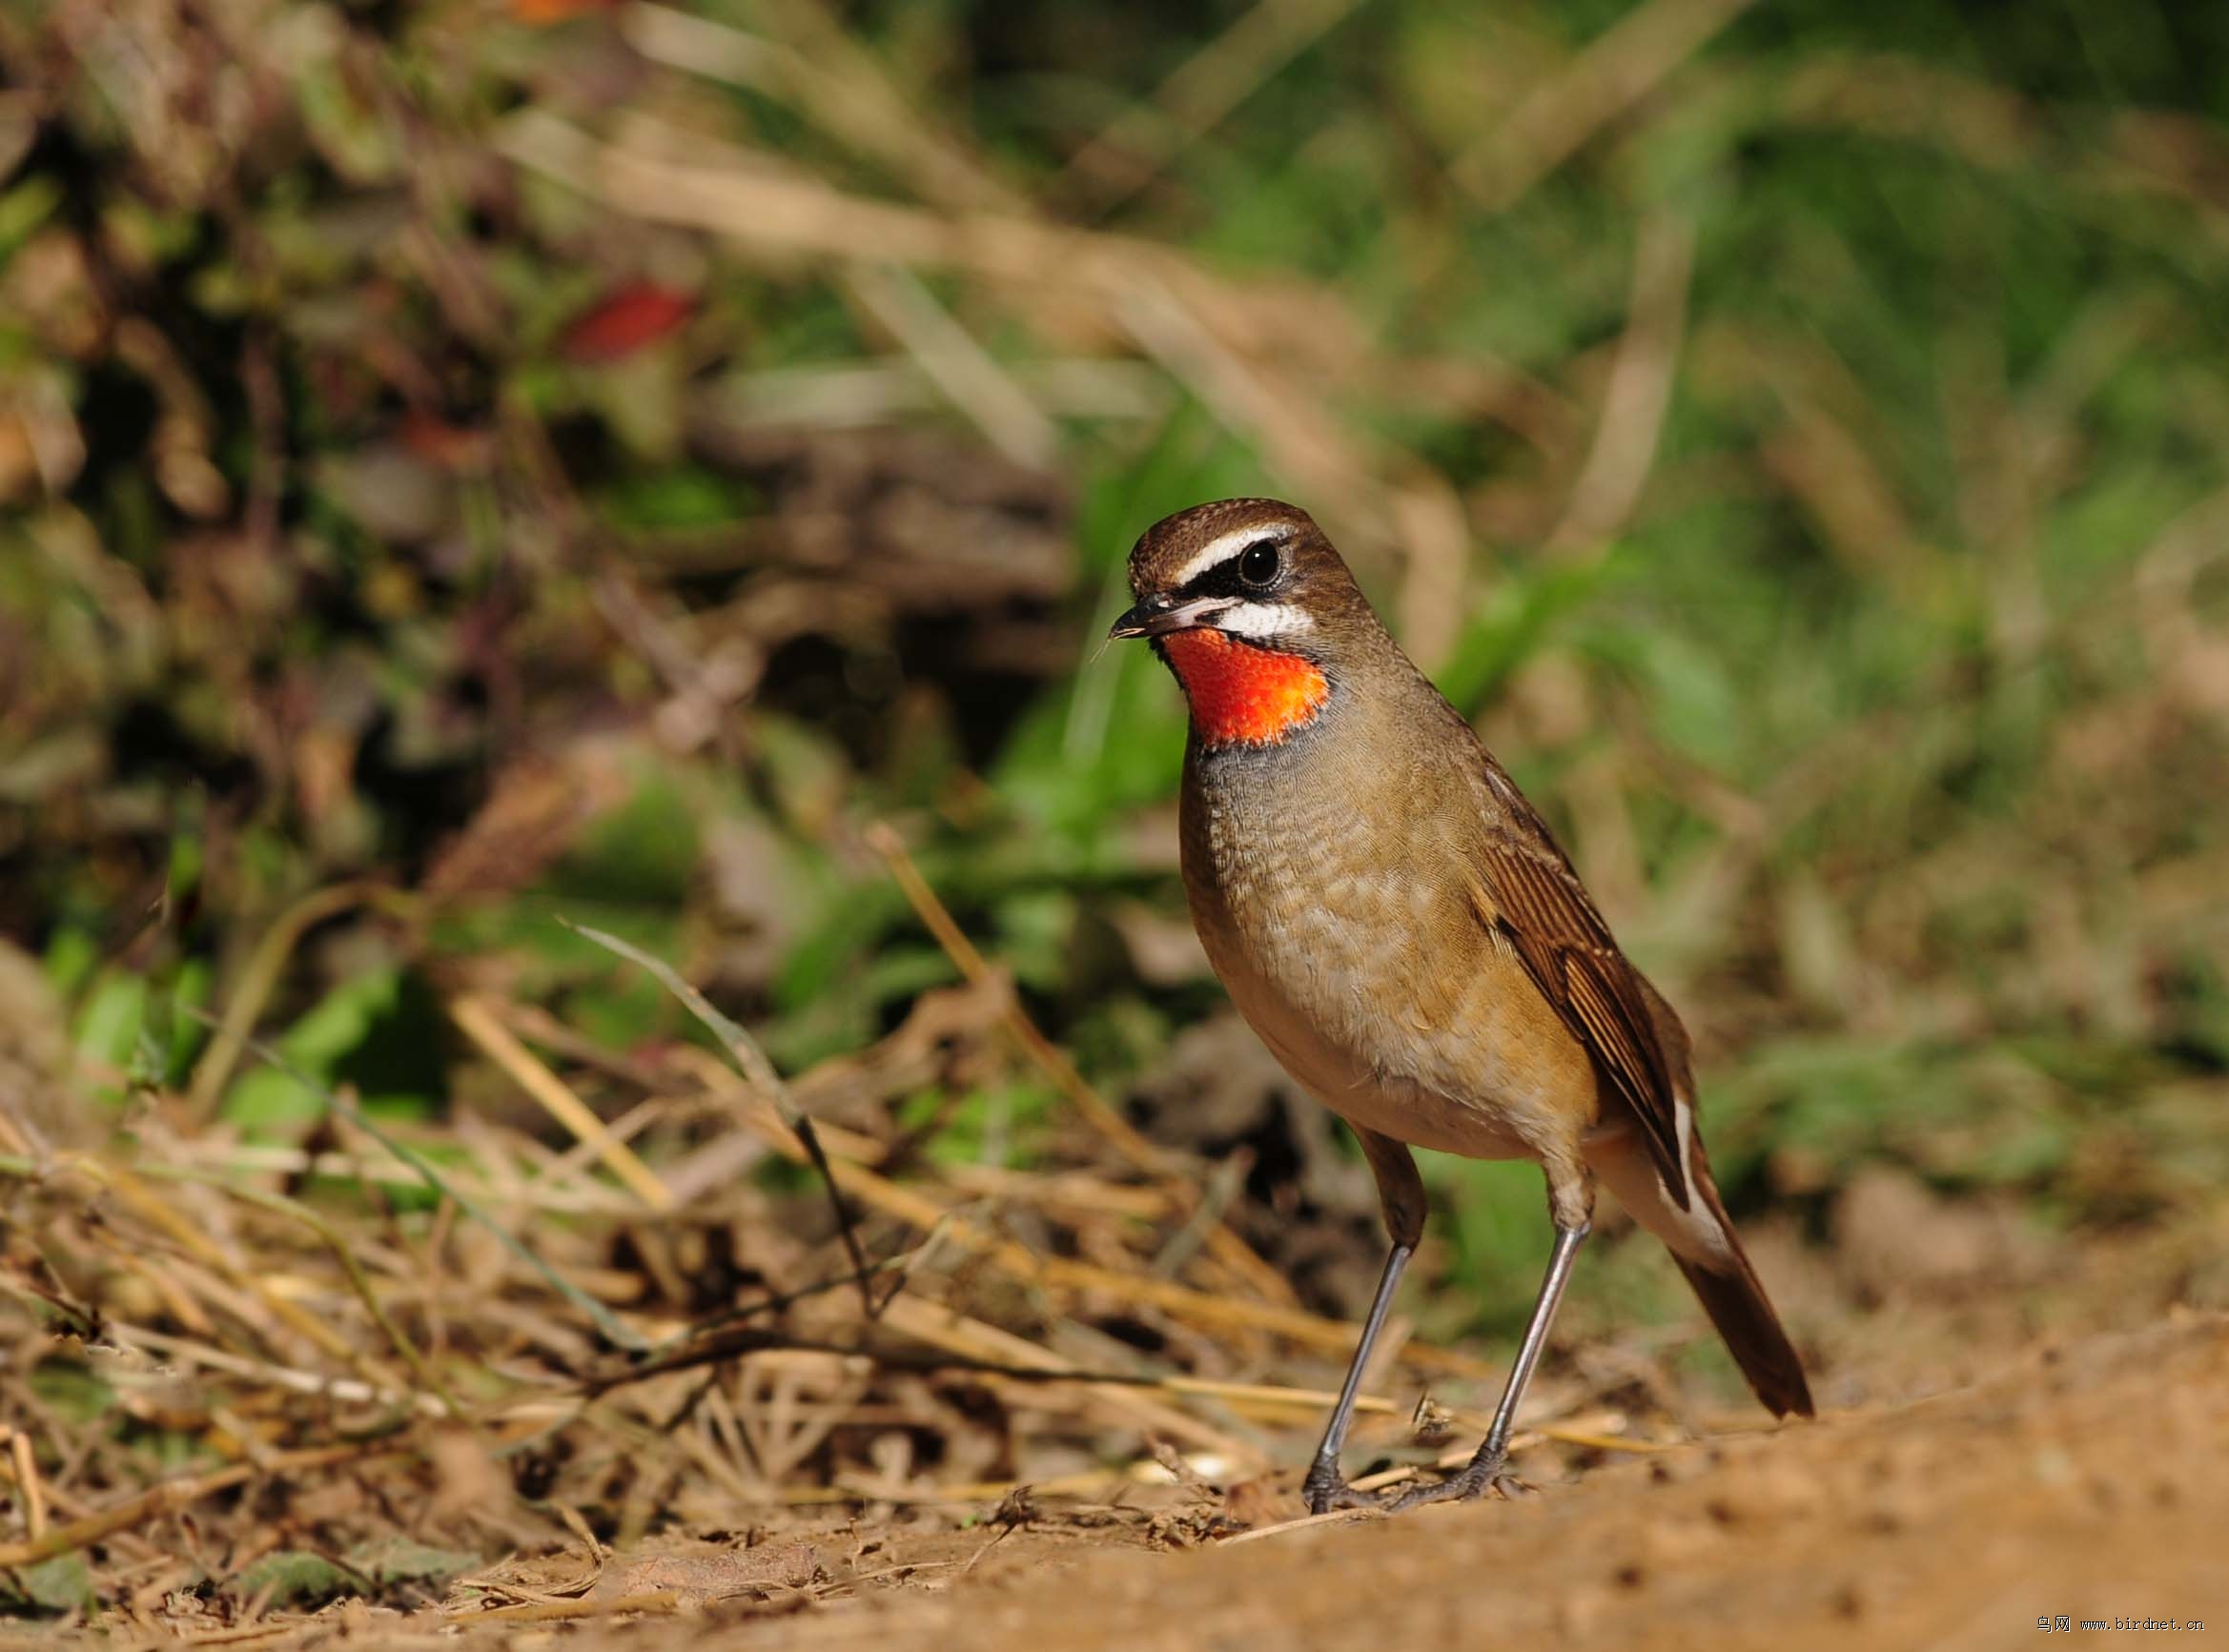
(2084,1482)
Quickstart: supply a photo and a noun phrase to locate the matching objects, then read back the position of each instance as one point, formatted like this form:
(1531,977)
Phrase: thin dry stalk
(937,919)
(752,1063)
(660,1601)
(966,372)
(24,1466)
(1613,73)
(266,964)
(781,216)
(1226,1246)
(359,1282)
(172,1496)
(1302,1524)
(1250,393)
(955,1331)
(604,1319)
(699,45)
(141,1199)
(1133,147)
(1202,1308)
(347,1390)
(478,1023)
(1640,390)
(1075,1191)
(837,83)
(1092,1486)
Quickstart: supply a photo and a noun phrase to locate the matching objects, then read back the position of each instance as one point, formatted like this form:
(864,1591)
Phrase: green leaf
(72,954)
(1513,624)
(296,1578)
(400,1560)
(109,1022)
(644,852)
(676,501)
(61,1584)
(381,1031)
(75,1393)
(24,207)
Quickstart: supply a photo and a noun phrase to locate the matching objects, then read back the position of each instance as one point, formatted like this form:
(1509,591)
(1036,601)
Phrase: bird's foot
(1482,1477)
(1325,1490)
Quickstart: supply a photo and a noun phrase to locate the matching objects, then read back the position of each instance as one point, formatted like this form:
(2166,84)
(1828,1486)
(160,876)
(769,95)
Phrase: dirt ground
(2093,1483)
(2083,1483)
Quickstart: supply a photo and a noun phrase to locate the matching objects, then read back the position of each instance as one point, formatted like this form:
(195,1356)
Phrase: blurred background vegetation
(465,464)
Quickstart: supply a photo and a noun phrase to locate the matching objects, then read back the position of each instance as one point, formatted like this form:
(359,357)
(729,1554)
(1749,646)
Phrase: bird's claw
(1481,1477)
(1326,1490)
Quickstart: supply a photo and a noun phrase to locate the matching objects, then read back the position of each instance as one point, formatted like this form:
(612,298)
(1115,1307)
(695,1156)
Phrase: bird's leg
(1325,1488)
(1400,1193)
(1483,1472)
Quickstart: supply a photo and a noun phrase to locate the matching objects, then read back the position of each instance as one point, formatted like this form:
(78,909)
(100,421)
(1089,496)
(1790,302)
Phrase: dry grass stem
(1609,76)
(752,1063)
(260,979)
(478,1023)
(170,1495)
(1125,157)
(1226,1246)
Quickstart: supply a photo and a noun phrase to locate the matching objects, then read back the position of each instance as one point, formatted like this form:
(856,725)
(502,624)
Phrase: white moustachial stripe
(1264,619)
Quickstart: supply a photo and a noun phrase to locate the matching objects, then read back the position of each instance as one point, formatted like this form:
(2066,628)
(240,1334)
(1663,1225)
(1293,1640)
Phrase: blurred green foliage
(382,505)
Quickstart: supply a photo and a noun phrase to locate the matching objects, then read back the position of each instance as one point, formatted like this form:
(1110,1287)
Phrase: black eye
(1258,564)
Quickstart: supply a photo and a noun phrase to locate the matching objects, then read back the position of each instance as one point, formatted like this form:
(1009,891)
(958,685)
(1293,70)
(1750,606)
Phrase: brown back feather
(1544,914)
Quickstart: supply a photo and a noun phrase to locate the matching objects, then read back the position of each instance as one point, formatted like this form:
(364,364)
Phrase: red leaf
(437,441)
(634,315)
(540,12)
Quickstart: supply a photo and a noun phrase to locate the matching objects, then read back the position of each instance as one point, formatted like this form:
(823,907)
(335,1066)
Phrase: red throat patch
(1241,694)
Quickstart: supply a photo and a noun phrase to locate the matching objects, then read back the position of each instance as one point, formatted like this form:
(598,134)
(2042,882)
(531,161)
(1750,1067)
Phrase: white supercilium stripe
(1223,547)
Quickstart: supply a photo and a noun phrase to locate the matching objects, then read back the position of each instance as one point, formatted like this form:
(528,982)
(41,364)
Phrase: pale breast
(1352,948)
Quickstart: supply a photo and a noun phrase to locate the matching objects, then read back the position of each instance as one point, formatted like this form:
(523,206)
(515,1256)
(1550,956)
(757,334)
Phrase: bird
(1400,928)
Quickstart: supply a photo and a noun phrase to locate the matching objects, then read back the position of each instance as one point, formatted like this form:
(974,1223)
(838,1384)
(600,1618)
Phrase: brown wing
(1546,917)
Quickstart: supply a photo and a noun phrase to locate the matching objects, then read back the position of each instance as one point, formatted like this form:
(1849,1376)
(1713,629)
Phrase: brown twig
(24,1466)
(661,1601)
(1226,1246)
(605,1321)
(135,1194)
(946,1327)
(1638,393)
(1614,71)
(752,1063)
(1136,145)
(170,1495)
(266,964)
(1018,1261)
(478,1023)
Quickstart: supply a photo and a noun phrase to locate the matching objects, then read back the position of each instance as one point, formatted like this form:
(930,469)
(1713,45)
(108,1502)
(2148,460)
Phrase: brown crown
(1317,579)
(1164,549)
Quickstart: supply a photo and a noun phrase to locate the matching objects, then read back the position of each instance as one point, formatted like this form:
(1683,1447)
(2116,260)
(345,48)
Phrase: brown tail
(1702,1240)
(1737,1305)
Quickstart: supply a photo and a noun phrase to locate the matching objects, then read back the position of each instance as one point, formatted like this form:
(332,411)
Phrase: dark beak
(1159,614)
